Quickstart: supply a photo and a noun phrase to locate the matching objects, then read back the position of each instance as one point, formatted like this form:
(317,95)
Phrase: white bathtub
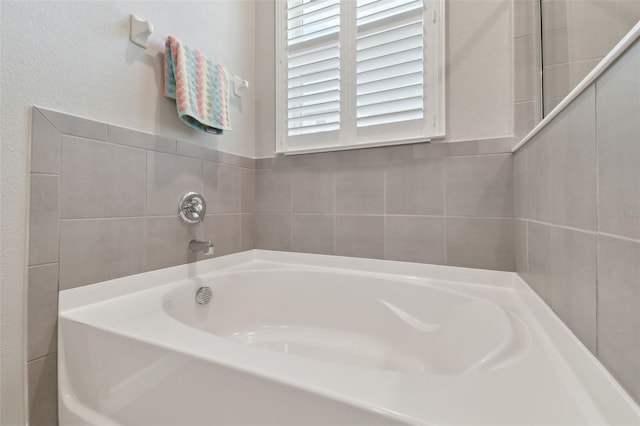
(293,339)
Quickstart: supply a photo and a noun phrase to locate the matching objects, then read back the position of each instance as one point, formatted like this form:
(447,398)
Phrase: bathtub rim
(92,293)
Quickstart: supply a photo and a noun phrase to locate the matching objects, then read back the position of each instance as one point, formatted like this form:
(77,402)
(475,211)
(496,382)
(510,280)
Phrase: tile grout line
(59,209)
(444,208)
(595,131)
(240,228)
(44,174)
(42,264)
(335,215)
(77,219)
(73,219)
(385,172)
(379,215)
(146,207)
(526,235)
(533,36)
(570,228)
(392,215)
(92,139)
(290,212)
(526,191)
(524,102)
(46,118)
(620,237)
(40,358)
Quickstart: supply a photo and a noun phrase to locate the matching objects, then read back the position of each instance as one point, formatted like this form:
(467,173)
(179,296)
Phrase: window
(358,73)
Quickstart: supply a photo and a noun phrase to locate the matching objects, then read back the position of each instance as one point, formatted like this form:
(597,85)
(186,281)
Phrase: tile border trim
(627,41)
(155,142)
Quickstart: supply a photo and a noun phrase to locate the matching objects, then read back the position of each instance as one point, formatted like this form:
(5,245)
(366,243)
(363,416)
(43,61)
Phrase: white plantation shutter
(390,63)
(358,73)
(313,66)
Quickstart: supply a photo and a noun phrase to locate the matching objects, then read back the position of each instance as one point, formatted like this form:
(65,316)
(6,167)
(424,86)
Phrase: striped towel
(199,86)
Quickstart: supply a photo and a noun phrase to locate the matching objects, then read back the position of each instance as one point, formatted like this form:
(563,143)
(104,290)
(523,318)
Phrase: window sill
(391,142)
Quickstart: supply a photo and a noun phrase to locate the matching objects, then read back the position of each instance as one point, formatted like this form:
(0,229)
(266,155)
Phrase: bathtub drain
(203,295)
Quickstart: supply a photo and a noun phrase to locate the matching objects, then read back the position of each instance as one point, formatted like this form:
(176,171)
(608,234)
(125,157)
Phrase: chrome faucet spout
(205,247)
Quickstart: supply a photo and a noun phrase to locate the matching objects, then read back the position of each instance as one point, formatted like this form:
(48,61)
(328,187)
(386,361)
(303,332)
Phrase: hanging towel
(199,86)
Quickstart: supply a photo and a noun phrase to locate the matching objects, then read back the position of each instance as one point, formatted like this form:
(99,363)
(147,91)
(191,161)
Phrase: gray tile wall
(104,205)
(108,193)
(577,208)
(449,204)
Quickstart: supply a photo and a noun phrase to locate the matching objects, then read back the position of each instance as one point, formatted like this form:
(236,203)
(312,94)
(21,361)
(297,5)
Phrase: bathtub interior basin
(290,339)
(355,320)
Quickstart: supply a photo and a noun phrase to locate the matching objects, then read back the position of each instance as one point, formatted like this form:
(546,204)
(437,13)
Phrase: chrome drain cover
(203,295)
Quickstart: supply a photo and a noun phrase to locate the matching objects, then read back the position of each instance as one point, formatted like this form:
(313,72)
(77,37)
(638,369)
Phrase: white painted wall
(479,71)
(75,57)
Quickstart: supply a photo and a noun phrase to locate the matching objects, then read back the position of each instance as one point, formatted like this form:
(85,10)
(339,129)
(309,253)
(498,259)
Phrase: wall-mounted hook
(240,86)
(140,31)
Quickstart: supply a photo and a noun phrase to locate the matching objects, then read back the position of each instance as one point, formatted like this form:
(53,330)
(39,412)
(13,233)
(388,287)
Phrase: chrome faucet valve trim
(192,207)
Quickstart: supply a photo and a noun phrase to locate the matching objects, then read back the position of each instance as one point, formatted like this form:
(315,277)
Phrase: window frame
(350,136)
